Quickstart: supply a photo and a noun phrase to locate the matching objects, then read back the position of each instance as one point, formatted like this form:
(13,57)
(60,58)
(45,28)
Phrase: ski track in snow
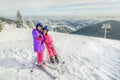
(86,58)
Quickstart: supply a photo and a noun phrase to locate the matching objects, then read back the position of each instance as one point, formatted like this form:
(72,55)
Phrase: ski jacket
(48,40)
(38,41)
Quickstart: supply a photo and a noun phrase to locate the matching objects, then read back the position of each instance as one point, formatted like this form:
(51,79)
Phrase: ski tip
(56,78)
(63,62)
(31,71)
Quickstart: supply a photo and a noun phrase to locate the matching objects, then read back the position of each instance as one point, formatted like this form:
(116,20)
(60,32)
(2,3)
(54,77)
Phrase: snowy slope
(86,58)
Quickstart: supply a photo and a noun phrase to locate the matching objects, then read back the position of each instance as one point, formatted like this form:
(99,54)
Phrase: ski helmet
(45,28)
(39,24)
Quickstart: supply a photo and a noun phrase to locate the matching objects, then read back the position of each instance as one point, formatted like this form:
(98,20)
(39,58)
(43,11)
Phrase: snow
(86,58)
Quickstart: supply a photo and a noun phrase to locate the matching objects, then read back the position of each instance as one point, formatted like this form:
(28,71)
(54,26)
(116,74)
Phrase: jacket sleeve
(35,35)
(48,39)
(51,39)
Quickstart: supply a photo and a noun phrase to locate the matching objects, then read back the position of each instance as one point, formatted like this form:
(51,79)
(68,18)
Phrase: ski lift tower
(107,28)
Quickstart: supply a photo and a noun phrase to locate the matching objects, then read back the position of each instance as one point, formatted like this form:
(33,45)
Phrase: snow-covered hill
(86,58)
(97,30)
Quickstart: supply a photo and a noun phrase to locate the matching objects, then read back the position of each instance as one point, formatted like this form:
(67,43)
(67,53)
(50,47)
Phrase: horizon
(83,16)
(60,8)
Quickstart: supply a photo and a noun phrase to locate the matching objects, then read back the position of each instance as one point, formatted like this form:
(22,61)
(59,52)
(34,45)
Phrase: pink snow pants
(40,56)
(51,51)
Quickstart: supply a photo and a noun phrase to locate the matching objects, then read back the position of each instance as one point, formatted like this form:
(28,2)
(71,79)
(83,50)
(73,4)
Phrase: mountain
(70,25)
(86,58)
(97,31)
(9,21)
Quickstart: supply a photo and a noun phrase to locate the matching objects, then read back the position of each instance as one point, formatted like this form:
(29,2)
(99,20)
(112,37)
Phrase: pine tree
(20,20)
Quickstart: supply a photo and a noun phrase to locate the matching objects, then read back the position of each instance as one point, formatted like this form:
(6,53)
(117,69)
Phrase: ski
(58,67)
(44,69)
(51,66)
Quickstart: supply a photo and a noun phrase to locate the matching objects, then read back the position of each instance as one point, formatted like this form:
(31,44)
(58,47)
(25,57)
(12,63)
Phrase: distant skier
(38,42)
(49,45)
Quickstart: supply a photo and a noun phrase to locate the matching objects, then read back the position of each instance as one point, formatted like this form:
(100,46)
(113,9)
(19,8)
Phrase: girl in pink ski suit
(49,45)
(38,44)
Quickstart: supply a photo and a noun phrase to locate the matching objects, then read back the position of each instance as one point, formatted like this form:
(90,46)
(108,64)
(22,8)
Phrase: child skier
(38,42)
(49,45)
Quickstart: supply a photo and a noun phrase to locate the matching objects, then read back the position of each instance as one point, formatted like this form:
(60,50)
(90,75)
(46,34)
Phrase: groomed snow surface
(86,58)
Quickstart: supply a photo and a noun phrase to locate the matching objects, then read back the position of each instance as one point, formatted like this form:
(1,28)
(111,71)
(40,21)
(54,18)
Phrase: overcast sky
(60,7)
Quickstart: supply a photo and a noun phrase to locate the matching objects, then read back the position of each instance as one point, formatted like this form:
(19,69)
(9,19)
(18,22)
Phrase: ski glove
(39,39)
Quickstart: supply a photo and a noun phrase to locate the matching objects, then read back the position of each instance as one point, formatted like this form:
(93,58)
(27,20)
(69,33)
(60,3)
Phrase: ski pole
(34,64)
(62,61)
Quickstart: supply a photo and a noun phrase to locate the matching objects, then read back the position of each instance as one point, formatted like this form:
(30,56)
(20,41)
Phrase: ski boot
(56,59)
(52,59)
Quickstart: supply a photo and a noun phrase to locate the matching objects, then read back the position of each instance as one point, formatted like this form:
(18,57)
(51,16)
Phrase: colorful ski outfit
(39,47)
(49,45)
